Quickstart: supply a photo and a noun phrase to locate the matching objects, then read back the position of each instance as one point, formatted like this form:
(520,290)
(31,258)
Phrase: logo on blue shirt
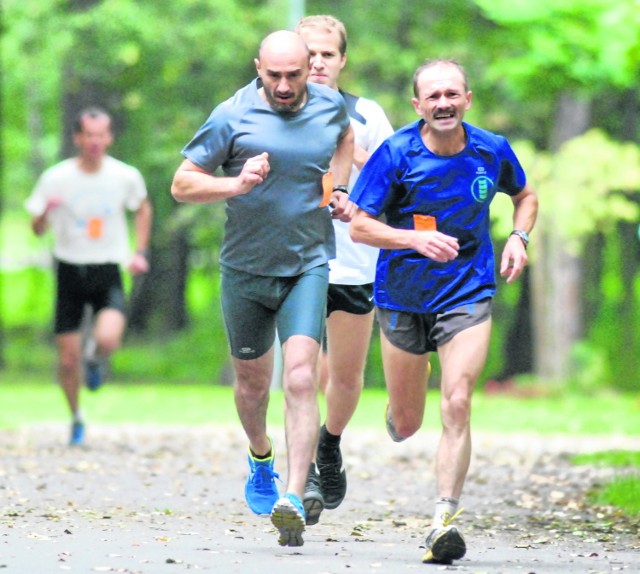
(481,185)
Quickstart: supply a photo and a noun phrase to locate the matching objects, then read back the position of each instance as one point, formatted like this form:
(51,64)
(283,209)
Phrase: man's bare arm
(341,167)
(366,228)
(514,255)
(193,184)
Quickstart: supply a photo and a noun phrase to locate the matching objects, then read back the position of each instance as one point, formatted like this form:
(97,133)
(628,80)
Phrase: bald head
(284,43)
(283,66)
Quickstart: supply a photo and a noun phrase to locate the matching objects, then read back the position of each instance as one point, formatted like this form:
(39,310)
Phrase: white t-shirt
(355,263)
(90,224)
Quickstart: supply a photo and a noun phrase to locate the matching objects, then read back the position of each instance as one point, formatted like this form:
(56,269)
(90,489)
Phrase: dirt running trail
(156,500)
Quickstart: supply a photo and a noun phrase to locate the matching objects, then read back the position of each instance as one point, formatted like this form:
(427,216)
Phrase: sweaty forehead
(283,68)
(440,77)
(283,61)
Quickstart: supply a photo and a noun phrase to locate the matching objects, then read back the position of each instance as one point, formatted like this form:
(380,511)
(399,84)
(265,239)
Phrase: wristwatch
(523,235)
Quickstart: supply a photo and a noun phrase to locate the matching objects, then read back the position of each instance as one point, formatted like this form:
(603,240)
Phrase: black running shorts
(354,299)
(97,285)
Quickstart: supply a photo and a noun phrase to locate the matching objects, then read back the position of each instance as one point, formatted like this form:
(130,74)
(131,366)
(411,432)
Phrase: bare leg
(108,330)
(462,360)
(302,414)
(348,339)
(253,380)
(69,354)
(323,371)
(406,377)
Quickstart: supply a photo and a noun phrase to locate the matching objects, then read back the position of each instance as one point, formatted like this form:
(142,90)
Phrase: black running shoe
(313,500)
(333,477)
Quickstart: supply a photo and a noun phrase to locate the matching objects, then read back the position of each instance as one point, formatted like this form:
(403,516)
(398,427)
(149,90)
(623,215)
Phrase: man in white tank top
(352,272)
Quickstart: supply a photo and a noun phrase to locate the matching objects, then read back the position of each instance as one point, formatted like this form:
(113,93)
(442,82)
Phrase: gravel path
(156,500)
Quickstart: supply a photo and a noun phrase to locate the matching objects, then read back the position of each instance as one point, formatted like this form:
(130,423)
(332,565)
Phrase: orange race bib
(424,222)
(95,227)
(327,189)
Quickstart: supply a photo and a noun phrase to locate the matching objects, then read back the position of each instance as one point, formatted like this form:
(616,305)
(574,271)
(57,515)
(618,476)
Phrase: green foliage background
(164,66)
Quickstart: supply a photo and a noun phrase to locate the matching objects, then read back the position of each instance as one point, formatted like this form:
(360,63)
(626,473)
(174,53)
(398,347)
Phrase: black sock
(260,457)
(327,438)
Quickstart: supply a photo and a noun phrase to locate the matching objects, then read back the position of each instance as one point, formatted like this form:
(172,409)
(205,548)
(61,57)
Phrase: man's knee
(456,409)
(300,378)
(68,363)
(407,426)
(252,376)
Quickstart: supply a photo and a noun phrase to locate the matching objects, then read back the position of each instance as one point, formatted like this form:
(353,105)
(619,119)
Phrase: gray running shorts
(420,333)
(254,306)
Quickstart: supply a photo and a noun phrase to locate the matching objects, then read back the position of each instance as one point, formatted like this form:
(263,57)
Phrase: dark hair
(437,62)
(90,112)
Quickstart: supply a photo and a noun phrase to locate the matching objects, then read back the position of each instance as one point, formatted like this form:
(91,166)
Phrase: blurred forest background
(559,78)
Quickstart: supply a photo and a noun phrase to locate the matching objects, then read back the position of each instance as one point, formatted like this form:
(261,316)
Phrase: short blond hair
(327,24)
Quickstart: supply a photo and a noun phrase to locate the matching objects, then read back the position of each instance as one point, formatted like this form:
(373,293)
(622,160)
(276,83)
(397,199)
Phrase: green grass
(614,458)
(624,490)
(31,401)
(198,354)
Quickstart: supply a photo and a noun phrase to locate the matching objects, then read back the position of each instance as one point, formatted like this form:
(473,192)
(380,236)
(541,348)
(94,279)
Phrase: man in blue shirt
(433,182)
(274,140)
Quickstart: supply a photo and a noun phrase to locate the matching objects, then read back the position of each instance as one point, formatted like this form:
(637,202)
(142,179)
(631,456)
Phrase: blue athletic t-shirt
(278,228)
(403,178)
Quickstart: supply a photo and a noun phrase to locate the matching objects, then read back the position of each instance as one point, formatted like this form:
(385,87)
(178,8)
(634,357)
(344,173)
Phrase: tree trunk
(557,273)
(157,301)
(625,363)
(517,351)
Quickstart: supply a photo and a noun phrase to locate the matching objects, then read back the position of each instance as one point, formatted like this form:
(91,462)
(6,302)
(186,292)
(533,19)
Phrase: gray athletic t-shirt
(278,228)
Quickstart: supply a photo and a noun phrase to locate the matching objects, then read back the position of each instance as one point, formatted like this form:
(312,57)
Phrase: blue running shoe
(261,491)
(77,434)
(289,518)
(94,374)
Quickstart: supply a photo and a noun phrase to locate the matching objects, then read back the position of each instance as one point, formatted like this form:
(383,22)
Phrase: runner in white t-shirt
(352,272)
(84,201)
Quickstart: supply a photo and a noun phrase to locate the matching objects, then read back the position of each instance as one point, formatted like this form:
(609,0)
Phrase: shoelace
(331,471)
(449,519)
(262,478)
